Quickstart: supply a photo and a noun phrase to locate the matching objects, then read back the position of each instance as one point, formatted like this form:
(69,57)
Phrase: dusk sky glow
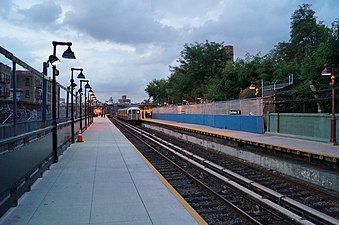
(123,45)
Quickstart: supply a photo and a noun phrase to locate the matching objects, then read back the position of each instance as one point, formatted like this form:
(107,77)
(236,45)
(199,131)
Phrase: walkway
(102,181)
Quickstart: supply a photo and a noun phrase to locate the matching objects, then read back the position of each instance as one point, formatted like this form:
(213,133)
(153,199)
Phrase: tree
(179,87)
(157,90)
(199,63)
(304,31)
(307,51)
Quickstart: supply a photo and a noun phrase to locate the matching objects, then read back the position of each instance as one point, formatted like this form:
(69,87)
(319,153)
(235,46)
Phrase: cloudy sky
(124,44)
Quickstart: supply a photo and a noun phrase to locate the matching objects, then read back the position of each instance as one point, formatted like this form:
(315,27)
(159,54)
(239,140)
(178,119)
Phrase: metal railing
(25,157)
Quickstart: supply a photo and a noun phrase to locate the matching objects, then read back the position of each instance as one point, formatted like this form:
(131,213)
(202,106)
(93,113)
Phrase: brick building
(5,81)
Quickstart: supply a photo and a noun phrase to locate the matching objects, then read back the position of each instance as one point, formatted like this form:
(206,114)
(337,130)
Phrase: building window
(6,92)
(27,81)
(27,94)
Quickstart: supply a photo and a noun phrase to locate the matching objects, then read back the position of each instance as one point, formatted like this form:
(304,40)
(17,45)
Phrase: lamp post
(76,105)
(87,86)
(330,72)
(90,93)
(80,107)
(93,104)
(73,85)
(80,100)
(68,54)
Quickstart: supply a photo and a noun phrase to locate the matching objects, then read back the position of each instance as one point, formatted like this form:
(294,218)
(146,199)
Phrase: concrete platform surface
(101,181)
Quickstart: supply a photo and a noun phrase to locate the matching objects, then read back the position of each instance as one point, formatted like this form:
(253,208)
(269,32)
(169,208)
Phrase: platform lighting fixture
(53,59)
(73,85)
(81,75)
(90,91)
(253,85)
(330,72)
(87,86)
(326,71)
(80,91)
(68,54)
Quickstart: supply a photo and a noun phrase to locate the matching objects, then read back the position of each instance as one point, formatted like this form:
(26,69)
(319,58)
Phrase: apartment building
(5,81)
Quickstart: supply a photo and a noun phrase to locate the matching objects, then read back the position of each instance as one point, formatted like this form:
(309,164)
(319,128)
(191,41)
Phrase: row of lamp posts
(53,60)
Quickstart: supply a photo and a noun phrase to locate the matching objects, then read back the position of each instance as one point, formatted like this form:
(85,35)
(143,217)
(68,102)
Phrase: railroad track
(218,194)
(321,200)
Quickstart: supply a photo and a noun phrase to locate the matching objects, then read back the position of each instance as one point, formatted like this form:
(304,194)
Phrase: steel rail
(246,217)
(303,210)
(300,211)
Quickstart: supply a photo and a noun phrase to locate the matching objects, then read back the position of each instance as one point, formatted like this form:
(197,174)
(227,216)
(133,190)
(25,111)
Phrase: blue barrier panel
(209,120)
(220,121)
(194,118)
(234,122)
(252,124)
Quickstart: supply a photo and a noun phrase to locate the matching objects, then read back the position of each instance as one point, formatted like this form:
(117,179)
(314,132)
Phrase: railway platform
(101,181)
(288,144)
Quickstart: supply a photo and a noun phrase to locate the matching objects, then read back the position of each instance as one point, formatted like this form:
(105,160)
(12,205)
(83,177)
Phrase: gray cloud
(5,8)
(119,21)
(123,45)
(249,27)
(44,14)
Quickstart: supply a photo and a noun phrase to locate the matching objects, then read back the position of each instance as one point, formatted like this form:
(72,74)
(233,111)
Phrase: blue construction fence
(252,124)
(242,114)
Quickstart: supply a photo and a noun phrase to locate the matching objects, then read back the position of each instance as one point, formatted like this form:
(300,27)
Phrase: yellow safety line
(320,155)
(187,206)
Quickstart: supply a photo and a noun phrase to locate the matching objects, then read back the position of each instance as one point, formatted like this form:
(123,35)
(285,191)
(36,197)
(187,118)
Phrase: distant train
(131,114)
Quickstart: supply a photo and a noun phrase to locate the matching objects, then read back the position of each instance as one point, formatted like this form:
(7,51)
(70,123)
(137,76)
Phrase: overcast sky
(124,44)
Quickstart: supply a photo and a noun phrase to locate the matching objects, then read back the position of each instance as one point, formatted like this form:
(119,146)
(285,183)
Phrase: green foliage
(157,90)
(205,71)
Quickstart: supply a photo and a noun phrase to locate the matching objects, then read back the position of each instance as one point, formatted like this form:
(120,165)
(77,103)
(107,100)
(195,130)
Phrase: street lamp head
(87,85)
(326,71)
(253,85)
(73,85)
(68,54)
(81,75)
(80,90)
(53,60)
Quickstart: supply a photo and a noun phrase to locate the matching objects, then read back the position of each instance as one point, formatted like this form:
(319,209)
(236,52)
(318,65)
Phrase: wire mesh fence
(248,107)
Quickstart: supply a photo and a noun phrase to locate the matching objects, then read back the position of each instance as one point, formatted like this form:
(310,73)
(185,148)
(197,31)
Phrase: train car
(130,115)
